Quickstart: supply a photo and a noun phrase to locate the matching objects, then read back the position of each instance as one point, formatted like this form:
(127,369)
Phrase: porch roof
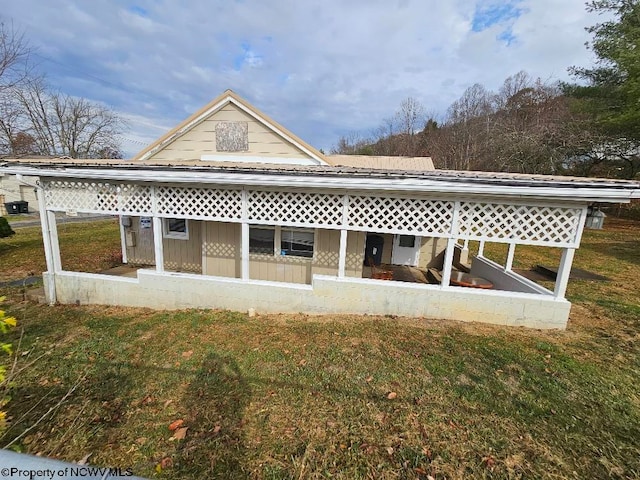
(448,182)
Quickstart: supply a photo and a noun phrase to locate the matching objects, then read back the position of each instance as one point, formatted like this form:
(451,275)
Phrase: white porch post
(157,232)
(245,251)
(562,279)
(123,240)
(342,258)
(510,254)
(451,244)
(481,249)
(55,243)
(48,252)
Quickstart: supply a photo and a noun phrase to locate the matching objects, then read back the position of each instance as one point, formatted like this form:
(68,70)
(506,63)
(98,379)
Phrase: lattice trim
(400,215)
(547,224)
(202,202)
(114,198)
(295,208)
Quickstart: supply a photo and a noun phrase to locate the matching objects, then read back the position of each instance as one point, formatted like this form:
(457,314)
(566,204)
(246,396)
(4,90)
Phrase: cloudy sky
(321,68)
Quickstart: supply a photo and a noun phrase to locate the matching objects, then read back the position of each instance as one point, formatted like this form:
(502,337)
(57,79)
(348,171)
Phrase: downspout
(46,238)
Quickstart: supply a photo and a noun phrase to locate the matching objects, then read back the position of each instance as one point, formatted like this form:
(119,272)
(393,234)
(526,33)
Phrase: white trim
(211,110)
(451,243)
(48,254)
(510,254)
(564,271)
(342,254)
(258,159)
(157,244)
(175,235)
(123,239)
(55,242)
(572,196)
(244,251)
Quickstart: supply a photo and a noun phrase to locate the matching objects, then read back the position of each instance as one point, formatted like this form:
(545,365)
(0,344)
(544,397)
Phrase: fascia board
(410,185)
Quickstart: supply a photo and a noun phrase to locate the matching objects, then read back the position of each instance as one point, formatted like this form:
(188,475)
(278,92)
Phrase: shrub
(5,228)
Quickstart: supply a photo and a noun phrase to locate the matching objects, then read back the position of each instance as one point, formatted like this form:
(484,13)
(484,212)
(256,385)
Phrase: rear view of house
(232,210)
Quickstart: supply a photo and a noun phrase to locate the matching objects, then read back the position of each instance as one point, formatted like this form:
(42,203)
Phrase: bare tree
(14,56)
(65,125)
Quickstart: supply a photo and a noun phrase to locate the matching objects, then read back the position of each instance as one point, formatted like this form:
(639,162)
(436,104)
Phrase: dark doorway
(373,249)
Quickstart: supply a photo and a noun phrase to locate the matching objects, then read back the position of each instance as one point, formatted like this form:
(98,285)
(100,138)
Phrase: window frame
(299,230)
(275,238)
(174,234)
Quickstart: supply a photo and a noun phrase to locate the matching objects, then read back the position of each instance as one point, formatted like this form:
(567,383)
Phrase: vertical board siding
(432,252)
(184,255)
(201,139)
(221,247)
(143,252)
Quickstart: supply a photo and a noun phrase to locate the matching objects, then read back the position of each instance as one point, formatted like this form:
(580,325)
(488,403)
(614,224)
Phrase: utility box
(595,218)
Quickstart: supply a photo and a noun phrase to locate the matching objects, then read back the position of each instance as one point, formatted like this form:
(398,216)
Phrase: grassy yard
(296,396)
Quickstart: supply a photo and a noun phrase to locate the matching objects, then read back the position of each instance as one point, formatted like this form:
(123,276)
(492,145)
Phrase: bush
(5,228)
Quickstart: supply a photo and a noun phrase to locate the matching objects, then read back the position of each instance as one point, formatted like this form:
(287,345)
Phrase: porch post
(510,254)
(448,262)
(157,232)
(562,279)
(157,243)
(481,249)
(123,240)
(451,244)
(55,244)
(245,251)
(342,258)
(48,253)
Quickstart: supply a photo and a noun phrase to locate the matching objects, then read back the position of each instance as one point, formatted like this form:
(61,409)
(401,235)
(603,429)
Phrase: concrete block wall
(325,295)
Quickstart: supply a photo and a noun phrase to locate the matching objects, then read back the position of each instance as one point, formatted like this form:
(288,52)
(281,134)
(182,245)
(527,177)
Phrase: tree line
(590,128)
(38,120)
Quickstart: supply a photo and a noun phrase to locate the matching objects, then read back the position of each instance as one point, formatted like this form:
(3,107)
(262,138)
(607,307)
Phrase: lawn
(297,396)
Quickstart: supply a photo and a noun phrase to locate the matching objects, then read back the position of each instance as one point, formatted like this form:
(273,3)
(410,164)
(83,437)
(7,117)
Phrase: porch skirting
(325,295)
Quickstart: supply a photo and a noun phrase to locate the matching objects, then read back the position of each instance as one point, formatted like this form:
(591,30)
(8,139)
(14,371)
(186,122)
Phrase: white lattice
(295,208)
(200,202)
(97,197)
(541,224)
(400,215)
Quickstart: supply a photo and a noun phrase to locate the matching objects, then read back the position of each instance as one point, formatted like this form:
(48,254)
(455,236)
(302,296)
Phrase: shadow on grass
(102,399)
(627,251)
(215,402)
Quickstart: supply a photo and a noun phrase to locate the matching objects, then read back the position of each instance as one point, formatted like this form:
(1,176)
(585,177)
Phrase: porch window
(261,240)
(408,241)
(297,242)
(175,228)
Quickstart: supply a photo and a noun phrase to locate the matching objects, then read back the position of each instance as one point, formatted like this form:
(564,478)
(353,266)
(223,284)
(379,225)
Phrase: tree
(612,93)
(66,125)
(5,228)
(14,56)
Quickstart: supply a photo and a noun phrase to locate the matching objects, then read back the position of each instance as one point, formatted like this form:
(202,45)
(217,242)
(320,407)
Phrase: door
(373,249)
(406,250)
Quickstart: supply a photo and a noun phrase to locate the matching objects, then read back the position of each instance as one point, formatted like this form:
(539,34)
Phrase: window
(408,241)
(175,228)
(297,242)
(261,240)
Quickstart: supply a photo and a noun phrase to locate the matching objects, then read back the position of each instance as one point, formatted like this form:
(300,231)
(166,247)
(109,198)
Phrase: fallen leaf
(392,395)
(147,400)
(368,379)
(176,424)
(302,363)
(84,459)
(180,433)
(167,403)
(187,354)
(489,462)
(216,429)
(141,440)
(390,450)
(166,462)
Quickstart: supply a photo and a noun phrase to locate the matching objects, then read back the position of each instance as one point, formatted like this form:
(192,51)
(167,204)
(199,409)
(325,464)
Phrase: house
(232,210)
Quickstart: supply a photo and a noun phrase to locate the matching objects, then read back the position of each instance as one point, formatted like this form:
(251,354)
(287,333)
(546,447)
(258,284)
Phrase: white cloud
(320,69)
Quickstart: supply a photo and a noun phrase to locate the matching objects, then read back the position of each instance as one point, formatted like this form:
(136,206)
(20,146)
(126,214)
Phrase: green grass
(296,396)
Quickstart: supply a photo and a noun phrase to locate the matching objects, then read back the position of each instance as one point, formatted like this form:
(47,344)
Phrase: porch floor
(401,273)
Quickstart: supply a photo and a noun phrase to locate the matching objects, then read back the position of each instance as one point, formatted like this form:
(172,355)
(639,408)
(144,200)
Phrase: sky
(321,68)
